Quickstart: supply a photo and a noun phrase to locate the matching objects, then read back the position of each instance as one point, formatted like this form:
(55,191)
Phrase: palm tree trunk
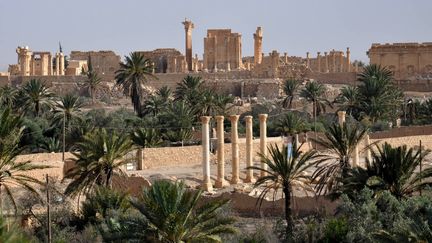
(288,216)
(108,182)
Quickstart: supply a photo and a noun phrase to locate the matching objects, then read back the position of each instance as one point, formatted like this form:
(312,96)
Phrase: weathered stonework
(222,50)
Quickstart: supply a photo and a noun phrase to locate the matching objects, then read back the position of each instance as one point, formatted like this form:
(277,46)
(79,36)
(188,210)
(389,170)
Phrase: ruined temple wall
(334,78)
(60,85)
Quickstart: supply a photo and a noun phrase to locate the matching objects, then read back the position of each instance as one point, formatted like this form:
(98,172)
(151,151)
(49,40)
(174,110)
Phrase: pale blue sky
(289,26)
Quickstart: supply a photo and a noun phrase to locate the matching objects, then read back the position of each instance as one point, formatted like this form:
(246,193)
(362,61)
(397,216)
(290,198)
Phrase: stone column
(319,61)
(334,61)
(249,149)
(188,25)
(307,60)
(50,65)
(263,140)
(220,182)
(258,46)
(57,64)
(341,117)
(296,137)
(206,184)
(234,150)
(368,151)
(326,62)
(140,159)
(348,60)
(62,64)
(286,57)
(341,62)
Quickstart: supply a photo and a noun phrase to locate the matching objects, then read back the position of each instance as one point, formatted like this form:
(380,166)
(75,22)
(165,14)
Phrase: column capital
(248,119)
(318,53)
(219,118)
(205,119)
(234,118)
(262,117)
(341,113)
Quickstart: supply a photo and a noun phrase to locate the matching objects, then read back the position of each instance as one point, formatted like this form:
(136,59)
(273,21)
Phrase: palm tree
(290,89)
(349,100)
(392,169)
(154,105)
(290,124)
(8,96)
(380,98)
(147,138)
(35,96)
(12,173)
(131,77)
(223,104)
(286,172)
(102,202)
(68,108)
(189,88)
(180,118)
(165,93)
(314,93)
(173,215)
(92,84)
(341,142)
(101,156)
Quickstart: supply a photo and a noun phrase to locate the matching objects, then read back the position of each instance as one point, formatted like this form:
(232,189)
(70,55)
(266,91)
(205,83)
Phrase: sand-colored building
(105,63)
(222,50)
(37,63)
(404,59)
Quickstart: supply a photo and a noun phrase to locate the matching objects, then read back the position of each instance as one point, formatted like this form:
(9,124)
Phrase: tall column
(348,60)
(57,64)
(326,62)
(263,140)
(62,64)
(188,25)
(50,65)
(368,151)
(334,61)
(234,150)
(307,60)
(340,62)
(220,181)
(249,149)
(341,117)
(319,61)
(286,57)
(206,184)
(258,46)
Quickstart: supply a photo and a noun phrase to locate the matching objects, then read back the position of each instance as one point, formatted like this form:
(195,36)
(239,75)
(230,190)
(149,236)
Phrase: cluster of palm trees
(331,173)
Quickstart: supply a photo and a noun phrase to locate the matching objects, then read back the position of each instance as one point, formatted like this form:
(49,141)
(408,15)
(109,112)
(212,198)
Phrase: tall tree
(189,88)
(290,124)
(349,100)
(341,142)
(101,156)
(290,89)
(12,173)
(68,107)
(285,172)
(380,98)
(35,96)
(314,93)
(8,96)
(132,75)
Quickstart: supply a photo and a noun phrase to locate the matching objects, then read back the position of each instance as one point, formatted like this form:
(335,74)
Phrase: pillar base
(249,180)
(207,186)
(221,183)
(235,181)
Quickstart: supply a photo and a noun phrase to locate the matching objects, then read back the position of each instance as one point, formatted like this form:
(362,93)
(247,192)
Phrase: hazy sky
(288,26)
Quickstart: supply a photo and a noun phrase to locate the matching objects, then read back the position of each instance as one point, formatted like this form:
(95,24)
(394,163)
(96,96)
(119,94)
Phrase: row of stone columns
(235,160)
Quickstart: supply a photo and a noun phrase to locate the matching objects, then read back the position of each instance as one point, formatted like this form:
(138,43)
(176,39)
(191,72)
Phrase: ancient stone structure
(263,140)
(220,181)
(405,60)
(36,63)
(76,67)
(334,62)
(105,63)
(167,60)
(258,46)
(206,184)
(188,25)
(249,150)
(235,150)
(222,50)
(341,117)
